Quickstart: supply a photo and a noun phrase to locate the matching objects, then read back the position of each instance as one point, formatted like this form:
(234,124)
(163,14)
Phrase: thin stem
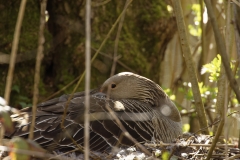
(14,51)
(190,66)
(87,78)
(115,55)
(38,66)
(93,58)
(222,50)
(220,107)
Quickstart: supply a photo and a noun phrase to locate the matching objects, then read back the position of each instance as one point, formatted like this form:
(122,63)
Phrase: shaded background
(148,45)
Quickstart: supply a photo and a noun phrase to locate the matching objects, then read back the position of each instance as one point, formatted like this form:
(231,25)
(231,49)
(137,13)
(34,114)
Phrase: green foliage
(16,88)
(195,29)
(211,133)
(23,144)
(5,119)
(208,91)
(23,101)
(19,143)
(165,155)
(204,90)
(186,89)
(157,10)
(213,68)
(170,94)
(138,48)
(186,127)
(197,11)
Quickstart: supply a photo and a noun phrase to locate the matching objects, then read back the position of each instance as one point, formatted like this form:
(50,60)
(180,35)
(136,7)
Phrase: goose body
(140,104)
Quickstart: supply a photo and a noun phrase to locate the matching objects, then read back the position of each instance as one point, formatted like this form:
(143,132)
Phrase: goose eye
(113,85)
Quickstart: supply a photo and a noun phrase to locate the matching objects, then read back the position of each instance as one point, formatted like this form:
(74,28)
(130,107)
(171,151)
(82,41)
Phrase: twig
(222,50)
(236,2)
(14,51)
(210,125)
(232,113)
(93,58)
(229,44)
(117,40)
(228,28)
(125,132)
(20,57)
(190,65)
(118,61)
(213,155)
(203,42)
(220,108)
(87,78)
(2,132)
(83,74)
(161,144)
(62,89)
(31,153)
(38,66)
(63,154)
(98,4)
(236,11)
(220,97)
(76,79)
(234,157)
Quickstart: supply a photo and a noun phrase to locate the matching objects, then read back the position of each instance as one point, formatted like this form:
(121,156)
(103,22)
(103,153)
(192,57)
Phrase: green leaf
(19,143)
(6,120)
(165,155)
(16,88)
(213,68)
(186,127)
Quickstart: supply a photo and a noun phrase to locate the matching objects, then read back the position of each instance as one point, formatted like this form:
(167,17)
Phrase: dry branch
(115,55)
(35,153)
(125,132)
(236,11)
(14,50)
(190,66)
(5,58)
(222,49)
(236,2)
(161,144)
(220,108)
(80,77)
(93,58)
(83,74)
(38,65)
(87,78)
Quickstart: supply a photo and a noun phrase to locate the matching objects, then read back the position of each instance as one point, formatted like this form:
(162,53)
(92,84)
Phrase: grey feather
(142,106)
